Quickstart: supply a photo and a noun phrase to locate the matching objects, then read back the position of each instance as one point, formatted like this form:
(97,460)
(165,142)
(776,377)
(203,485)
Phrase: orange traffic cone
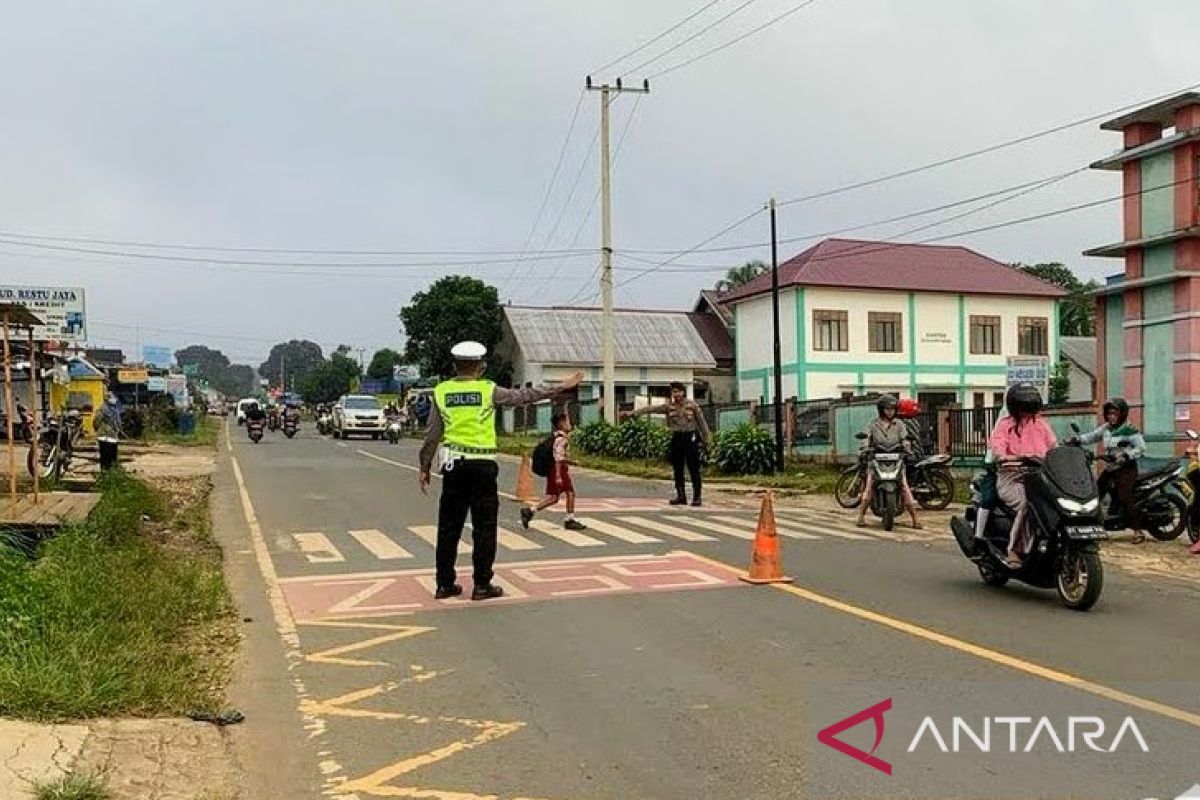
(764,564)
(525,492)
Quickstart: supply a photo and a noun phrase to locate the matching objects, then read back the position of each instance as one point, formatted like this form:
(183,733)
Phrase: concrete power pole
(606,279)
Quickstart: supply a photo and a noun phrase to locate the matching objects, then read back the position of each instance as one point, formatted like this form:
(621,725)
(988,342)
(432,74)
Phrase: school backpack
(543,457)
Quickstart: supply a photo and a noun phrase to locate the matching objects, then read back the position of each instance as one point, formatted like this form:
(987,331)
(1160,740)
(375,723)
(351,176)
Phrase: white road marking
(715,527)
(514,541)
(792,533)
(669,530)
(317,548)
(429,534)
(562,534)
(380,544)
(828,523)
(633,537)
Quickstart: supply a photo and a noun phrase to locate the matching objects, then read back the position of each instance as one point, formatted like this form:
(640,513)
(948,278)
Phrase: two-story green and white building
(933,322)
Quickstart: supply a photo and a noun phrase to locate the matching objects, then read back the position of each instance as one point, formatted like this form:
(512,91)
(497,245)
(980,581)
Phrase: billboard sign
(61,309)
(177,388)
(156,383)
(133,376)
(156,355)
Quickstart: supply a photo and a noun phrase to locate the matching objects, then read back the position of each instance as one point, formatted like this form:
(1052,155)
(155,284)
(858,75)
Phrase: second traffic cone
(764,563)
(525,493)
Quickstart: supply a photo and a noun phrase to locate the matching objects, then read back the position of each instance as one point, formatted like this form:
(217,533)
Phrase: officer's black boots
(487,592)
(443,592)
(678,500)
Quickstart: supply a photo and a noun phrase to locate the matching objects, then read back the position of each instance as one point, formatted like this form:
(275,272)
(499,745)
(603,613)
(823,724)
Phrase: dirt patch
(167,461)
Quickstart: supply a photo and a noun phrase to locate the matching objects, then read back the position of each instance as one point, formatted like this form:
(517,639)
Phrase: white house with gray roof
(653,348)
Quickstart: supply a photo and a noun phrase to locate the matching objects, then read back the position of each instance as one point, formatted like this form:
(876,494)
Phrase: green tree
(330,379)
(1060,383)
(382,363)
(740,276)
(213,367)
(290,361)
(452,309)
(1077,312)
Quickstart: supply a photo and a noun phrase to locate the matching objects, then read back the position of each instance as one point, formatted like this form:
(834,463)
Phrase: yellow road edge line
(981,652)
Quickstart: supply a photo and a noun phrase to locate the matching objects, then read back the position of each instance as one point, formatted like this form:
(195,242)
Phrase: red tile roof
(715,335)
(859,264)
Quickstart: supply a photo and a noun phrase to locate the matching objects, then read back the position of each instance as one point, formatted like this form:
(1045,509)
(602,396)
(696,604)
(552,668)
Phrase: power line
(669,30)
(562,151)
(311,264)
(682,42)
(734,41)
(981,151)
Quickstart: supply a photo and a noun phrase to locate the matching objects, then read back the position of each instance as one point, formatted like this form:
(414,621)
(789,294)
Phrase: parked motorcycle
(254,429)
(51,455)
(1064,529)
(393,430)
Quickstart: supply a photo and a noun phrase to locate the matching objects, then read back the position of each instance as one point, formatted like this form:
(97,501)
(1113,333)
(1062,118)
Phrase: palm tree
(740,276)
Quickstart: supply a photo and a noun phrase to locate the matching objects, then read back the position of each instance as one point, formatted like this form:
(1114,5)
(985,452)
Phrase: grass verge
(72,787)
(800,477)
(123,614)
(205,434)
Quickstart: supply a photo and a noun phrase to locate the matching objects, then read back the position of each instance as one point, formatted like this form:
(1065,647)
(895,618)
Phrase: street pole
(608,348)
(775,337)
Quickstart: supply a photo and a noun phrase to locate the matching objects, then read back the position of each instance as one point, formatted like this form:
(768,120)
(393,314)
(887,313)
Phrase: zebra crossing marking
(617,532)
(514,541)
(562,534)
(317,548)
(823,527)
(379,544)
(715,527)
(782,530)
(669,530)
(831,524)
(429,534)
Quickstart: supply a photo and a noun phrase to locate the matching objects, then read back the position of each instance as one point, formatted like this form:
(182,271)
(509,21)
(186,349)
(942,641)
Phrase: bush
(636,438)
(745,450)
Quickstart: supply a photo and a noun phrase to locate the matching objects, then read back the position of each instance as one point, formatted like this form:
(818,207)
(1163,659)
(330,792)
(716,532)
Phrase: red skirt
(559,481)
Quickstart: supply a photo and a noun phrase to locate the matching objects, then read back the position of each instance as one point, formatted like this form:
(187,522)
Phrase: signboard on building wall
(1029,369)
(133,376)
(156,383)
(61,309)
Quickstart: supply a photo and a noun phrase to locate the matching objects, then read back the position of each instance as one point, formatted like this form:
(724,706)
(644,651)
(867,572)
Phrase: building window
(830,330)
(979,400)
(883,328)
(1033,336)
(985,336)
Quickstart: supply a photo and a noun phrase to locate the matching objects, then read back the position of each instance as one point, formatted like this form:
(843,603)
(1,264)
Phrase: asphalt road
(631,663)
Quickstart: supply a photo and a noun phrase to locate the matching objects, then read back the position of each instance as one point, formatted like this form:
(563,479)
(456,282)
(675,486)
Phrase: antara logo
(1024,735)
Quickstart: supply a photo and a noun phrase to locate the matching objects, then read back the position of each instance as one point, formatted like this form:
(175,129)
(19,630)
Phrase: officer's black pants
(685,451)
(469,486)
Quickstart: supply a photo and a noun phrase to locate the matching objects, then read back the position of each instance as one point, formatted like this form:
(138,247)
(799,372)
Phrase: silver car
(358,413)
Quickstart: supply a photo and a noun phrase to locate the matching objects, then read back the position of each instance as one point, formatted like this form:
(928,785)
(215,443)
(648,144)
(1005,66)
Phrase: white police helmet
(468,351)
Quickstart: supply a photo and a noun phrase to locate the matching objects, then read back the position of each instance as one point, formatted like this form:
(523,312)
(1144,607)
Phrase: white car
(358,413)
(241,409)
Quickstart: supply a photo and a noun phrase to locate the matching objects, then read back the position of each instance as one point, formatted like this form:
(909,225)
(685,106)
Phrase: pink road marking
(383,593)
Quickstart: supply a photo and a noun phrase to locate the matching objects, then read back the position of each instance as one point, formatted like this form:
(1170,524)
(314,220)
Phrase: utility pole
(775,337)
(606,278)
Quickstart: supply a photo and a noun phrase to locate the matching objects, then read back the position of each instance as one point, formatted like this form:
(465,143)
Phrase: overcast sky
(434,126)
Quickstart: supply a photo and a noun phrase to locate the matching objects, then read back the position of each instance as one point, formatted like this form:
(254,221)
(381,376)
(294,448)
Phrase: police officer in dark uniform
(464,420)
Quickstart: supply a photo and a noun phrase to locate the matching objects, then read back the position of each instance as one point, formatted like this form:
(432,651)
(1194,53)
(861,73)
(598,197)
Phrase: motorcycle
(1189,487)
(393,430)
(1064,529)
(324,423)
(885,465)
(929,478)
(273,422)
(51,456)
(290,426)
(1163,509)
(254,429)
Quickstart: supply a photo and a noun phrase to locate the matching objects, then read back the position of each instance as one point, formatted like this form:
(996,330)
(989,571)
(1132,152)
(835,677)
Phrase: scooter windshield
(1066,469)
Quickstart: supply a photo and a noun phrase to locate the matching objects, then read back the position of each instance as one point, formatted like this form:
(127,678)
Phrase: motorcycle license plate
(1086,532)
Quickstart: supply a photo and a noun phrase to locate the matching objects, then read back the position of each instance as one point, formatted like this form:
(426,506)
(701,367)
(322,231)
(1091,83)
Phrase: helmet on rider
(908,408)
(884,403)
(1023,398)
(1119,405)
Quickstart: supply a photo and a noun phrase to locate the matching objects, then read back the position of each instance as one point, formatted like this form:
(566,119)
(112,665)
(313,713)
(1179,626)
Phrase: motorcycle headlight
(1073,507)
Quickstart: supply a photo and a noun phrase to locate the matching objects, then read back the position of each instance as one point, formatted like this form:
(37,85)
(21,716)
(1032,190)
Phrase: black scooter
(1064,529)
(290,425)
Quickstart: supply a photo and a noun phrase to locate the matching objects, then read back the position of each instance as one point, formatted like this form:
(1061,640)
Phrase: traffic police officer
(464,421)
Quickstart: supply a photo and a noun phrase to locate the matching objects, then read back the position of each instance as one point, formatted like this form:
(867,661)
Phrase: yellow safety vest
(468,417)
